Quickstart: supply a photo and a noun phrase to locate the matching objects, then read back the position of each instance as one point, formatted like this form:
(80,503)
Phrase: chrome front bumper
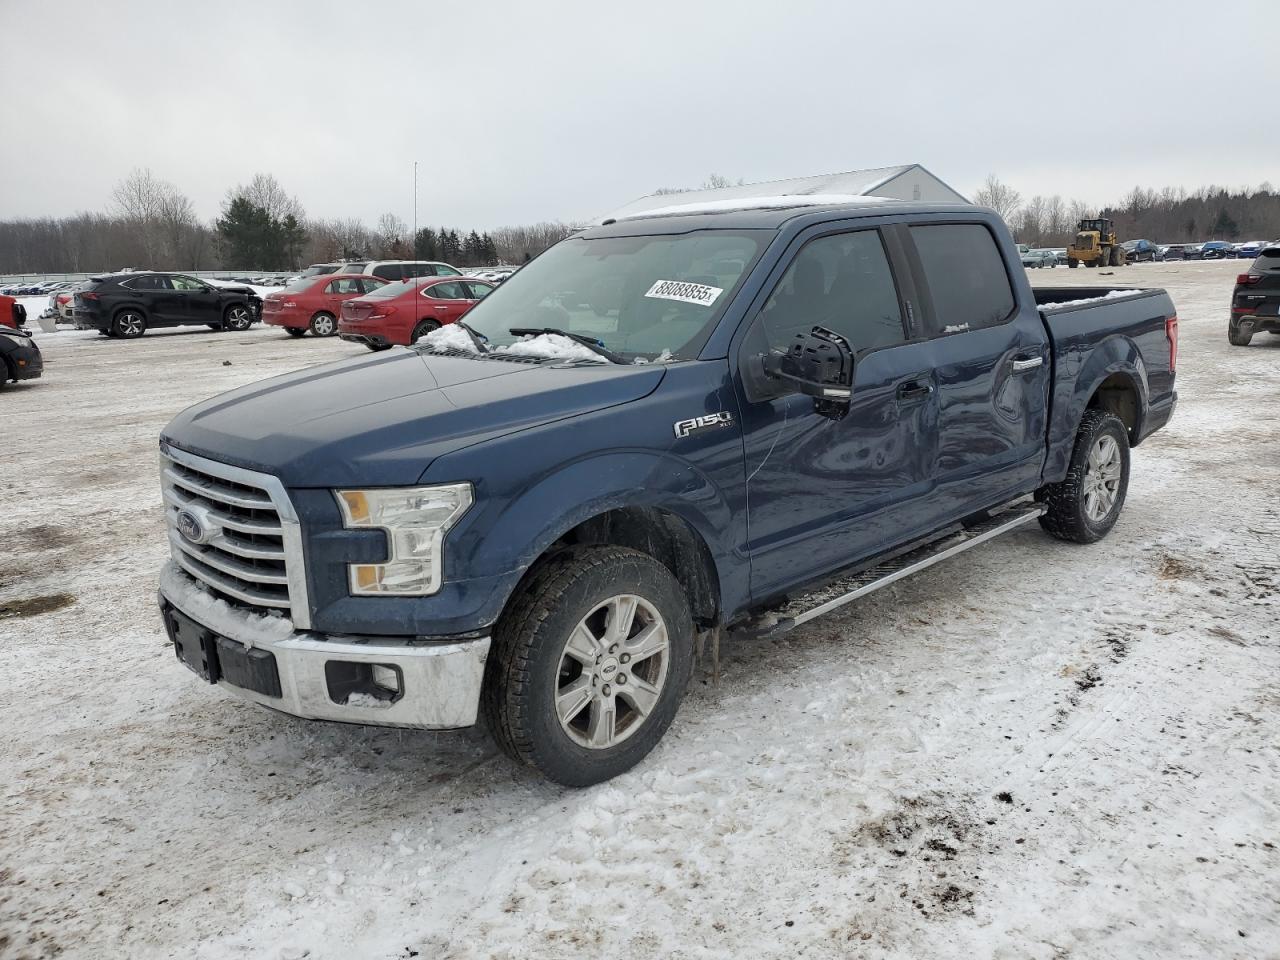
(439,682)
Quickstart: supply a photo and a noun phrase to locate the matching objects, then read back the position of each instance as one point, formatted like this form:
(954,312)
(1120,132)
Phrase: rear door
(156,297)
(446,302)
(822,493)
(339,290)
(990,360)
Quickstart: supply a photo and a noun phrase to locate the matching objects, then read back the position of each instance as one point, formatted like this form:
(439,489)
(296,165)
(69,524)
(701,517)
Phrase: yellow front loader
(1095,245)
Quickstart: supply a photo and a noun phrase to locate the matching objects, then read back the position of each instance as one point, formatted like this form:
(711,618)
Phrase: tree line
(1169,215)
(150,224)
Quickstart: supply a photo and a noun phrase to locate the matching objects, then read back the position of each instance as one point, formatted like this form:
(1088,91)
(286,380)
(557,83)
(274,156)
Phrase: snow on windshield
(544,346)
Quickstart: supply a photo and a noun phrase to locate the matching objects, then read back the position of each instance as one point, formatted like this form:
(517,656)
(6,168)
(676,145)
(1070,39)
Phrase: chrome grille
(248,544)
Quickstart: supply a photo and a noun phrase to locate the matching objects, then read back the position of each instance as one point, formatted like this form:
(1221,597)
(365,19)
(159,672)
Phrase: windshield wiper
(592,344)
(475,337)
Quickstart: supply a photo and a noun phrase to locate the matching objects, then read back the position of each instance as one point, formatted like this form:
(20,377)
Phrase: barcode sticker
(685,292)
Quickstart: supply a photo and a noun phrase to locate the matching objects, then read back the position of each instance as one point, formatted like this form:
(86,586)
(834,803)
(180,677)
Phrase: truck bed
(1096,330)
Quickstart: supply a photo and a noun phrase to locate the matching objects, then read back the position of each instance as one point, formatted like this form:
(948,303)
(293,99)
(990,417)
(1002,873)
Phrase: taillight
(288,303)
(87,296)
(1248,279)
(1171,331)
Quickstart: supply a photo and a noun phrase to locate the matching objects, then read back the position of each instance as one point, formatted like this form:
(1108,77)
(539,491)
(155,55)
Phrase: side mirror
(819,364)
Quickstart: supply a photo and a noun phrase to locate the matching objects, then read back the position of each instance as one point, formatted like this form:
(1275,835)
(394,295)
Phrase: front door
(195,302)
(821,493)
(992,366)
(446,302)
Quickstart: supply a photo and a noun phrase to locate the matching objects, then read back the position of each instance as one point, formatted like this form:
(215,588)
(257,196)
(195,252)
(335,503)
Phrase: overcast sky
(544,110)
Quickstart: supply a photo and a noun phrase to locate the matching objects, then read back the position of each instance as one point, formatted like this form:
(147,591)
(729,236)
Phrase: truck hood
(381,421)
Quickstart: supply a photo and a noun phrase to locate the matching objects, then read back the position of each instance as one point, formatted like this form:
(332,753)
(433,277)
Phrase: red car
(313,303)
(403,312)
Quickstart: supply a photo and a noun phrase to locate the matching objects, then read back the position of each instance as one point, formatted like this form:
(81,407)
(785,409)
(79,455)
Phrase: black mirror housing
(818,364)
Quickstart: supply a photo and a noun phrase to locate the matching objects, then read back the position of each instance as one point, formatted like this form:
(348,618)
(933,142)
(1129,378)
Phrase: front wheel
(589,664)
(378,347)
(323,325)
(237,318)
(1086,504)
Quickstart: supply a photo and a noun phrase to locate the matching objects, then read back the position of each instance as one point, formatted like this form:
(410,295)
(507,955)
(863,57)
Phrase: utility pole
(415,209)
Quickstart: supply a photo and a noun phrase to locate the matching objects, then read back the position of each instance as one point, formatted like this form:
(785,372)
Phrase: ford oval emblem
(190,527)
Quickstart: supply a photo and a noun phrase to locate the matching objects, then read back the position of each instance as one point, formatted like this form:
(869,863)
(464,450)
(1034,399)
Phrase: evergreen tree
(246,233)
(426,246)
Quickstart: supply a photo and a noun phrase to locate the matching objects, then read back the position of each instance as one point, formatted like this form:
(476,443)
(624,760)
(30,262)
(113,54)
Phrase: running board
(807,606)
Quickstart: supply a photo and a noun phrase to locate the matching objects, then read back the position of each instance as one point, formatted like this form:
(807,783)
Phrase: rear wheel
(422,329)
(1236,336)
(295,331)
(237,318)
(128,324)
(589,663)
(378,347)
(1086,504)
(1072,262)
(323,325)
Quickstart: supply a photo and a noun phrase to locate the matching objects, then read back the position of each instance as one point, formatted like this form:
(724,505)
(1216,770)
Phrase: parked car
(20,357)
(313,303)
(341,266)
(402,313)
(1176,251)
(1249,249)
(542,507)
(1255,303)
(1035,258)
(1217,250)
(126,305)
(1136,251)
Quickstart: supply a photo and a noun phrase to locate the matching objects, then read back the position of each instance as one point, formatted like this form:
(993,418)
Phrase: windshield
(641,297)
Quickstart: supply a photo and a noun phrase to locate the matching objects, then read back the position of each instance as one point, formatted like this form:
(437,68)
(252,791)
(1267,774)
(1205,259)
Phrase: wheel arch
(1113,378)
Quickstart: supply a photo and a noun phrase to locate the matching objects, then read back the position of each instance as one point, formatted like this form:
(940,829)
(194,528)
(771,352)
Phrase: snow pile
(193,599)
(551,346)
(1110,295)
(664,357)
(449,337)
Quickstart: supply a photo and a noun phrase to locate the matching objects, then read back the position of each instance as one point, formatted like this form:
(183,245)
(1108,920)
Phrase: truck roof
(762,213)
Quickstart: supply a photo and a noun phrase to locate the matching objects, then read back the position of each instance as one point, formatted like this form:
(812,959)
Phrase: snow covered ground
(1034,750)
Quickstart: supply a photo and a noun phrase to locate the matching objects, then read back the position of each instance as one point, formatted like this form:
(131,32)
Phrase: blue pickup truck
(664,430)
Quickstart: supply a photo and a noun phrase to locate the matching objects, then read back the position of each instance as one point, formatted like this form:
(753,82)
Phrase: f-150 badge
(711,421)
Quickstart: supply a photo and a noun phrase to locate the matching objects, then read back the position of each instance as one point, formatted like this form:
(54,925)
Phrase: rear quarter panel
(1093,341)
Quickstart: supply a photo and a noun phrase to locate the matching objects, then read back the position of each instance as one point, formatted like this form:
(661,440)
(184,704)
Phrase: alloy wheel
(612,671)
(1102,478)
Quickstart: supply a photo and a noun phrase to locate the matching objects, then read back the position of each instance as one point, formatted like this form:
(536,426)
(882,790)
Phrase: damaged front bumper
(430,685)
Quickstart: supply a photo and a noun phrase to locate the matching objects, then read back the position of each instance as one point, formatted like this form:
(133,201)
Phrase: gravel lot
(1033,750)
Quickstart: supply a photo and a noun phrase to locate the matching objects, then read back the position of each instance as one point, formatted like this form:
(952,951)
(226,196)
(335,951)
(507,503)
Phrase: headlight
(415,520)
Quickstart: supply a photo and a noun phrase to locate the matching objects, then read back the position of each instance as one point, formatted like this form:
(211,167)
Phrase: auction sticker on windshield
(685,292)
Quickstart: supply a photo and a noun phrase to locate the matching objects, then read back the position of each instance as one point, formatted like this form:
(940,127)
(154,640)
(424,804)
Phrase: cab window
(842,282)
(345,285)
(966,276)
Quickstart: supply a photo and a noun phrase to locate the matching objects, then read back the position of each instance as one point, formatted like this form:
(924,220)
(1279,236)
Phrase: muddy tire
(1086,504)
(589,664)
(1072,262)
(1235,336)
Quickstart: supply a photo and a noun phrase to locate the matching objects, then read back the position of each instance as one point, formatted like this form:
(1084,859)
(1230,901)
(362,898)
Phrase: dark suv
(1255,304)
(127,304)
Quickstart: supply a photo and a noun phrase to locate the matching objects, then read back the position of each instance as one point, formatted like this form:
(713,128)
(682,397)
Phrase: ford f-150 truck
(702,419)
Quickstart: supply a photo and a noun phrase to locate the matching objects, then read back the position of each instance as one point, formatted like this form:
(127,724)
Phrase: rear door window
(345,285)
(479,290)
(965,275)
(389,271)
(446,291)
(841,282)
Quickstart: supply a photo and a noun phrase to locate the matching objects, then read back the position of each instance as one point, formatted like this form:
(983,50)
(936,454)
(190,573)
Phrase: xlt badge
(711,421)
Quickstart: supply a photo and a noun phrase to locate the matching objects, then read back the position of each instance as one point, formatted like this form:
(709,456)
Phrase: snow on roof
(782,202)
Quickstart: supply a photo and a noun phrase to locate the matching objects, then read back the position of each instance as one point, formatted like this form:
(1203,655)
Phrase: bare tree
(1055,219)
(265,191)
(1000,197)
(391,232)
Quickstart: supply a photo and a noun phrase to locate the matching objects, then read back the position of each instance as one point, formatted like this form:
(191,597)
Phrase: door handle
(914,390)
(1023,364)
(442,308)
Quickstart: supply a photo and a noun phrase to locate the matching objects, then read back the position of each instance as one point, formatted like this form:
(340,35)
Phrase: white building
(910,182)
